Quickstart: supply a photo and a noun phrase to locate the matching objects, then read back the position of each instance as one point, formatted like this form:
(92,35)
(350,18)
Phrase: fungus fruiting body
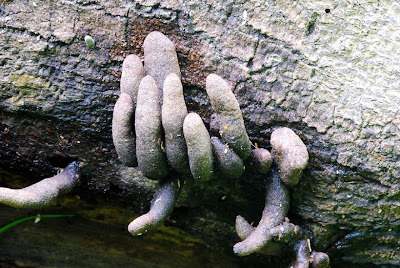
(151,159)
(44,192)
(289,153)
(274,213)
(229,116)
(173,113)
(161,207)
(228,163)
(199,147)
(124,137)
(154,95)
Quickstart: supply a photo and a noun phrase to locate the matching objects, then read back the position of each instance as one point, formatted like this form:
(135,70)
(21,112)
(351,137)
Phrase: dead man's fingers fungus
(173,113)
(290,154)
(123,130)
(199,147)
(150,156)
(132,74)
(229,116)
(302,255)
(227,161)
(161,207)
(44,192)
(260,160)
(160,58)
(274,213)
(319,260)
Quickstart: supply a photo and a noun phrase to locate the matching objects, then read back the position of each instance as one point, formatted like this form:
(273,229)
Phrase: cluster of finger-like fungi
(44,192)
(152,103)
(274,230)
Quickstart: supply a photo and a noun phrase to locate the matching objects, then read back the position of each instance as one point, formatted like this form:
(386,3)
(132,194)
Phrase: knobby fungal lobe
(290,154)
(150,156)
(199,147)
(161,207)
(260,160)
(160,58)
(44,192)
(123,130)
(228,163)
(229,116)
(173,113)
(275,210)
(132,74)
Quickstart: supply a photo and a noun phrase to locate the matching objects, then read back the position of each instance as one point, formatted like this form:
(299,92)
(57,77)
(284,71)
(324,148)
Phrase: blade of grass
(8,226)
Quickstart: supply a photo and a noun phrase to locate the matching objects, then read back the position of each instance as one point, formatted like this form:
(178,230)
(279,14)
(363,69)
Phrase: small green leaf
(89,41)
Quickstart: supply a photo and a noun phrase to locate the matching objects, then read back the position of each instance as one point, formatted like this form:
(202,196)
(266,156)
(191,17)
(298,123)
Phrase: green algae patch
(29,82)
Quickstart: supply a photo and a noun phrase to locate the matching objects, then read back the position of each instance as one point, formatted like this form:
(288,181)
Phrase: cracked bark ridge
(173,114)
(199,147)
(132,74)
(161,207)
(150,156)
(229,115)
(227,162)
(290,154)
(160,58)
(44,192)
(123,135)
(274,213)
(260,160)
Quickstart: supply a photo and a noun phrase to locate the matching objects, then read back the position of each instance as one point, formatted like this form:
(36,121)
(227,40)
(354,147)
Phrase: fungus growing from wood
(44,192)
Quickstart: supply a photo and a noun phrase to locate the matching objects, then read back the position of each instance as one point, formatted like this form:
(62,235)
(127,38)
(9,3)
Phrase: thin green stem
(8,226)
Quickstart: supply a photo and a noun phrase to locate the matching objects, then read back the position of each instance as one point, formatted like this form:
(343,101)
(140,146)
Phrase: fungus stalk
(274,213)
(44,192)
(161,207)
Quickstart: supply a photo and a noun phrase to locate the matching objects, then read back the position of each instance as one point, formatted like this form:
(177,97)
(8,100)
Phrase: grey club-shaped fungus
(260,160)
(274,213)
(161,207)
(150,156)
(189,148)
(306,258)
(173,113)
(132,74)
(290,154)
(160,58)
(44,192)
(124,137)
(229,116)
(227,162)
(199,147)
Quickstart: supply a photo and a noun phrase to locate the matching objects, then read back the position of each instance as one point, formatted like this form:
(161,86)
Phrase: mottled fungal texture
(275,232)
(160,58)
(274,213)
(227,162)
(229,116)
(190,150)
(290,154)
(199,147)
(132,74)
(173,114)
(123,134)
(302,255)
(44,192)
(150,156)
(161,207)
(319,260)
(260,160)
